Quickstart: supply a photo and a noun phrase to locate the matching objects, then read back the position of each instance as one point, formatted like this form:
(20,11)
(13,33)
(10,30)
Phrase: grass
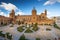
(35,27)
(20,29)
(28,30)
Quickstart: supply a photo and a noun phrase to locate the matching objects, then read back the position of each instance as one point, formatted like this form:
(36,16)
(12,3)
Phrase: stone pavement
(41,33)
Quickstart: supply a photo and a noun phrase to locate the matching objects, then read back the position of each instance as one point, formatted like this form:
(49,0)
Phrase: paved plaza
(41,33)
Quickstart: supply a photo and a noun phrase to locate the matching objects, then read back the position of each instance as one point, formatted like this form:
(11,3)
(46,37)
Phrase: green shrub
(5,24)
(48,29)
(48,39)
(38,39)
(35,27)
(9,36)
(56,26)
(20,29)
(1,34)
(28,30)
(22,37)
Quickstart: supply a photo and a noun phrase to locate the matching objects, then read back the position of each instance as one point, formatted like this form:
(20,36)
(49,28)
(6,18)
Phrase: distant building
(57,20)
(29,19)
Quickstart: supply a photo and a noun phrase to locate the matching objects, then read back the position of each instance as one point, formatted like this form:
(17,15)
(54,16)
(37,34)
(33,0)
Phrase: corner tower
(45,12)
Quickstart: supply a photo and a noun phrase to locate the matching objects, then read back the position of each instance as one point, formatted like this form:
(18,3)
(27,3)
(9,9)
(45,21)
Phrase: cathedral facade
(34,18)
(29,19)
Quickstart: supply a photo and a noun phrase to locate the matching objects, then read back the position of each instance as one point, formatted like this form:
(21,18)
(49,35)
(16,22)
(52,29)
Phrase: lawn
(28,30)
(20,29)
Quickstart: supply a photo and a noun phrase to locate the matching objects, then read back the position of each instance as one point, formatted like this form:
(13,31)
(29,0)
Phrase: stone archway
(1,23)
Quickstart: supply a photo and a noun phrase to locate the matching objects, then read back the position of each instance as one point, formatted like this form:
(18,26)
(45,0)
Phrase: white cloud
(49,14)
(52,14)
(58,0)
(3,14)
(8,6)
(50,2)
(6,15)
(20,13)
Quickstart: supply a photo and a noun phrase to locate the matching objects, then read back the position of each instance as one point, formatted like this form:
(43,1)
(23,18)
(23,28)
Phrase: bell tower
(34,11)
(12,14)
(34,15)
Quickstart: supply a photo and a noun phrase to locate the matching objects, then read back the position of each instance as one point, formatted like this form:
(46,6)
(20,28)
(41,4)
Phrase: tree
(1,34)
(19,22)
(22,37)
(35,27)
(9,36)
(38,39)
(56,26)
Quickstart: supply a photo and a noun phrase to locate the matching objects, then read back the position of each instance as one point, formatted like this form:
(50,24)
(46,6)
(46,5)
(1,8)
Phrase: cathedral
(29,19)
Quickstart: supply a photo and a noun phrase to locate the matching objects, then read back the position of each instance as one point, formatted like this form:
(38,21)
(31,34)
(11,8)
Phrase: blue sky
(24,7)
